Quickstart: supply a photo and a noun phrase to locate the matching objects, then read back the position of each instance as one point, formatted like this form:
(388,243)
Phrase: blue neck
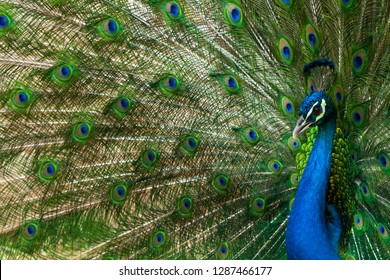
(307,234)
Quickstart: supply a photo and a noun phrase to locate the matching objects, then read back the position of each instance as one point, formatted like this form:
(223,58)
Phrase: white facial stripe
(323,105)
(311,110)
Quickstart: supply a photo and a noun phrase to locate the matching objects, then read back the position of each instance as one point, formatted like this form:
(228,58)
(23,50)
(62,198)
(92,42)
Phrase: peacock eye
(233,14)
(173,10)
(62,74)
(185,206)
(158,239)
(30,231)
(20,99)
(222,251)
(48,171)
(118,194)
(109,28)
(5,22)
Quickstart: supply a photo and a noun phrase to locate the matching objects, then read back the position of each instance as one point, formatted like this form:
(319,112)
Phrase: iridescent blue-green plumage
(136,129)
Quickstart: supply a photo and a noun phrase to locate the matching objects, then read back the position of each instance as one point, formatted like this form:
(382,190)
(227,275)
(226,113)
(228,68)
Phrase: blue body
(310,233)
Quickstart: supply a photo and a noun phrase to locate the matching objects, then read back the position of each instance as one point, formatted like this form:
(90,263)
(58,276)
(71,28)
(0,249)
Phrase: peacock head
(316,109)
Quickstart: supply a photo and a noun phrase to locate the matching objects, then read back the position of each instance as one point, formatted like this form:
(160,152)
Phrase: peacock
(196,129)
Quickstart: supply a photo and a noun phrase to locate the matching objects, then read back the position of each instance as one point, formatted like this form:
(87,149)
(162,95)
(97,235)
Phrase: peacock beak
(301,126)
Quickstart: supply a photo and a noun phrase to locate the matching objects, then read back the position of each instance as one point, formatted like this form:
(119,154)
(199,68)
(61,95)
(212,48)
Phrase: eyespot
(275,166)
(257,206)
(231,84)
(170,85)
(250,135)
(122,106)
(383,232)
(149,158)
(359,61)
(233,14)
(30,231)
(364,188)
(354,156)
(222,251)
(294,179)
(158,239)
(185,206)
(5,22)
(112,27)
(118,194)
(48,171)
(311,37)
(311,85)
(285,51)
(221,183)
(359,222)
(384,162)
(338,94)
(190,144)
(109,28)
(366,192)
(81,132)
(287,106)
(357,116)
(173,10)
(63,74)
(20,99)
(294,144)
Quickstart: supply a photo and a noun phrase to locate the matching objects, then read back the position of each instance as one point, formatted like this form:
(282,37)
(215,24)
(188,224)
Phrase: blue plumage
(307,229)
(174,10)
(286,52)
(3,21)
(232,82)
(112,26)
(235,14)
(65,71)
(310,235)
